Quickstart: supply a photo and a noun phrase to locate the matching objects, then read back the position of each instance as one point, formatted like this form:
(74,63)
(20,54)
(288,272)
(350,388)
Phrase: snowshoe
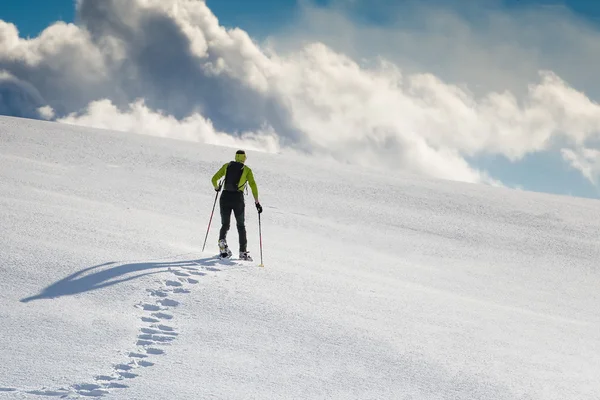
(226,254)
(245,256)
(224,251)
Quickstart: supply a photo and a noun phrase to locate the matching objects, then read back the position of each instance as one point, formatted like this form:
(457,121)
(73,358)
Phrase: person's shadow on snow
(98,276)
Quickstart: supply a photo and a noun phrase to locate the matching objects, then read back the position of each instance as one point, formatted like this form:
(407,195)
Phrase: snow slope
(374,287)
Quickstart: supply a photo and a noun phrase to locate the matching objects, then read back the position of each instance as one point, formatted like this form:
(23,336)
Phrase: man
(237,175)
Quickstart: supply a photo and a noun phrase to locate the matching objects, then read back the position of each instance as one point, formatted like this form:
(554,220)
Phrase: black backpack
(233,176)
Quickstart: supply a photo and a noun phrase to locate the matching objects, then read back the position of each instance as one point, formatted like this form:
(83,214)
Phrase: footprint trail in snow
(154,337)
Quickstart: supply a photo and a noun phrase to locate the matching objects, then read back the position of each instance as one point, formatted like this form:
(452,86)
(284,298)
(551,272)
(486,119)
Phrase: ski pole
(260,236)
(211,215)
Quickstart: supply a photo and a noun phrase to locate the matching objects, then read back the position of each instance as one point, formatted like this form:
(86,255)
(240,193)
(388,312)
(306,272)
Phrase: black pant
(233,201)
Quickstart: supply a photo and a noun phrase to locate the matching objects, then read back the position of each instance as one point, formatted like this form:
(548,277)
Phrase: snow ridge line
(156,334)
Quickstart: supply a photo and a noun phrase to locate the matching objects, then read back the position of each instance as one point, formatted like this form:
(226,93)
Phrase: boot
(244,255)
(224,249)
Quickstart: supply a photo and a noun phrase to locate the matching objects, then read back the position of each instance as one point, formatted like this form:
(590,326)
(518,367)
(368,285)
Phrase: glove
(259,208)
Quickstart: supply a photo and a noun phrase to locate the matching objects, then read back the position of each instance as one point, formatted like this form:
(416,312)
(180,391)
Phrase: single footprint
(173,283)
(144,343)
(154,351)
(157,293)
(86,386)
(163,339)
(162,315)
(192,281)
(150,307)
(137,355)
(156,338)
(116,385)
(89,389)
(48,393)
(97,392)
(168,303)
(7,389)
(145,363)
(150,331)
(104,378)
(123,367)
(180,290)
(165,328)
(151,320)
(127,375)
(181,273)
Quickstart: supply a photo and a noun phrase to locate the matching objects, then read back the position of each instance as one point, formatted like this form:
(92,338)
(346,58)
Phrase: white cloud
(167,68)
(585,160)
(138,118)
(482,44)
(46,112)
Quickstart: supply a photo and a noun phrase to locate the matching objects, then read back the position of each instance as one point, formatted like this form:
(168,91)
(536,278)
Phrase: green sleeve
(252,184)
(220,173)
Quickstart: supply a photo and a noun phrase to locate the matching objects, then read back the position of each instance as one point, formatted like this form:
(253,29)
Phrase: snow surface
(375,286)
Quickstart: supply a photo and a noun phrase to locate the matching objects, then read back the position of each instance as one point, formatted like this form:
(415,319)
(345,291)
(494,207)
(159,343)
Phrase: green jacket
(247,177)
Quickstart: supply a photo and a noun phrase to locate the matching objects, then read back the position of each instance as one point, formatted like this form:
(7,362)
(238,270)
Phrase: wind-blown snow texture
(374,287)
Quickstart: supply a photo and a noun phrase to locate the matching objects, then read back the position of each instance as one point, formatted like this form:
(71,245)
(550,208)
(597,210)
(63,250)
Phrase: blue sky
(32,16)
(256,16)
